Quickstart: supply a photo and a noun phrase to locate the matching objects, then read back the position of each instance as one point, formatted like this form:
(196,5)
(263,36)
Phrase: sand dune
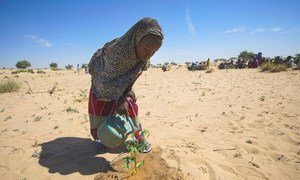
(228,124)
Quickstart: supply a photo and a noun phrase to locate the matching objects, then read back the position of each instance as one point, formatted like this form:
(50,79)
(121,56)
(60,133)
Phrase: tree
(245,55)
(173,63)
(23,64)
(69,67)
(297,58)
(84,66)
(53,65)
(288,58)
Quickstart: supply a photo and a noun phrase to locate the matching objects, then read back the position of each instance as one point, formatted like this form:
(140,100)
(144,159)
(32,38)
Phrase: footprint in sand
(3,170)
(208,169)
(113,177)
(250,173)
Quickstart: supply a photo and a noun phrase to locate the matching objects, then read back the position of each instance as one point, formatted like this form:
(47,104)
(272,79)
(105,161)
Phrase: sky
(70,31)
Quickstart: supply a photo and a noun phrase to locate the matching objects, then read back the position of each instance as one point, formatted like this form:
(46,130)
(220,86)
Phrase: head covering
(115,66)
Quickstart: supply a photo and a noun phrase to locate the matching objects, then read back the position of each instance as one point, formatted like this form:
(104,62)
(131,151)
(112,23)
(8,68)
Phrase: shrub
(23,70)
(69,67)
(9,85)
(271,67)
(41,72)
(23,64)
(15,72)
(30,71)
(279,68)
(53,65)
(84,66)
(56,69)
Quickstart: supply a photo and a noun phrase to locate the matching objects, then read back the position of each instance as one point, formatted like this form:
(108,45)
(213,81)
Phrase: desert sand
(228,124)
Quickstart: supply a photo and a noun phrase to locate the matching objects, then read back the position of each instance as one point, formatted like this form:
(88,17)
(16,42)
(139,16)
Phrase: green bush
(53,65)
(23,70)
(41,72)
(56,69)
(9,85)
(69,67)
(84,66)
(23,64)
(16,72)
(30,71)
(271,67)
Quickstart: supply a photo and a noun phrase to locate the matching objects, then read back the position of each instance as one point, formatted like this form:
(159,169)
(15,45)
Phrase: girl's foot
(148,147)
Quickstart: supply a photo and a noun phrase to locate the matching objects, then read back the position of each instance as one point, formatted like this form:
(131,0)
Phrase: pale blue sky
(70,31)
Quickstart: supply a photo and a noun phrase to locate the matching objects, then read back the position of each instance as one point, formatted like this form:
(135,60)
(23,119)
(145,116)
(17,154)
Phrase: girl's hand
(123,108)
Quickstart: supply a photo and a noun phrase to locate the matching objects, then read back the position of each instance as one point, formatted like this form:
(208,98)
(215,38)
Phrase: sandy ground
(228,124)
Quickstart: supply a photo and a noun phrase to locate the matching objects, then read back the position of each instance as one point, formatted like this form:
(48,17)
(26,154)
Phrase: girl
(114,70)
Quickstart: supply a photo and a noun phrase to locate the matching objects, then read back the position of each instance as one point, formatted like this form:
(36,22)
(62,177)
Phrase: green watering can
(114,131)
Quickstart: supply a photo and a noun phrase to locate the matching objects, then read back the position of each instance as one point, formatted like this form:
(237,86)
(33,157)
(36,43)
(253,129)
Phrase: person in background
(259,58)
(78,69)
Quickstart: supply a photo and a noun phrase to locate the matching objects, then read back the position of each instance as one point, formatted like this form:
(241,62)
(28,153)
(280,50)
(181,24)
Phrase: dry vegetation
(271,67)
(9,85)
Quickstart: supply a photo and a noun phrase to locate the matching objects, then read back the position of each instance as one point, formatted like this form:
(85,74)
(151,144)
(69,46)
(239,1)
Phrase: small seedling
(41,154)
(249,141)
(69,109)
(37,119)
(134,147)
(36,154)
(83,93)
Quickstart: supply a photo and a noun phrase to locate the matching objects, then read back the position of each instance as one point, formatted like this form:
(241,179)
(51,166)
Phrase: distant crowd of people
(203,65)
(256,61)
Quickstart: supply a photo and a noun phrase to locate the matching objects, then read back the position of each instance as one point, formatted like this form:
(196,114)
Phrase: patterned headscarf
(115,66)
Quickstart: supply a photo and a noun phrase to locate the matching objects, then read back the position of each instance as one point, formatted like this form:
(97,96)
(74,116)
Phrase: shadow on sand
(67,155)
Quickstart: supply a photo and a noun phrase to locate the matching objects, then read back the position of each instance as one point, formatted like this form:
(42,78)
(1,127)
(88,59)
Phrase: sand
(228,124)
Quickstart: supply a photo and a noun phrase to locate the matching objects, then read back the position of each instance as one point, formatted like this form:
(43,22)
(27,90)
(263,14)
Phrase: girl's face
(146,48)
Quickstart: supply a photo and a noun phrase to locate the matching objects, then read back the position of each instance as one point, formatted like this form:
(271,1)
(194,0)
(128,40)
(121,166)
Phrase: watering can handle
(133,128)
(131,124)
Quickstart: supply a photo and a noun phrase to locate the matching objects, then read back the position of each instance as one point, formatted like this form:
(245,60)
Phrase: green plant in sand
(134,147)
(73,110)
(83,93)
